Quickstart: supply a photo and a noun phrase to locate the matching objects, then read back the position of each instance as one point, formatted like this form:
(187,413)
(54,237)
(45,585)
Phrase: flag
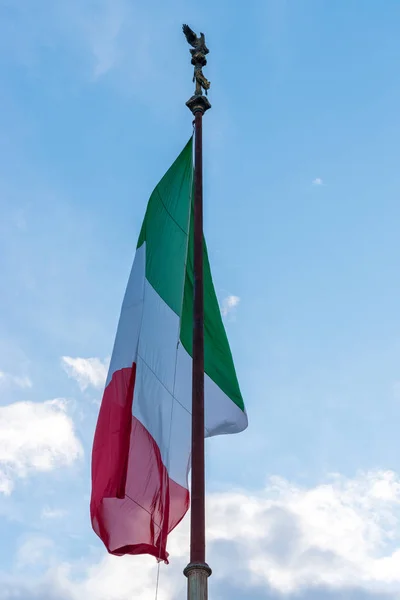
(142,444)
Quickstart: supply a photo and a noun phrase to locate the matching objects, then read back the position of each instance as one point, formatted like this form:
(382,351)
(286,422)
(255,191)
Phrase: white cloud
(106,42)
(347,528)
(86,371)
(103,35)
(35,437)
(53,513)
(99,38)
(318,181)
(33,550)
(229,304)
(14,380)
(90,30)
(340,535)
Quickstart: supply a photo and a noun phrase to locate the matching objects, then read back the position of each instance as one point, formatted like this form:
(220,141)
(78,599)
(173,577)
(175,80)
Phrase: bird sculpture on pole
(199,51)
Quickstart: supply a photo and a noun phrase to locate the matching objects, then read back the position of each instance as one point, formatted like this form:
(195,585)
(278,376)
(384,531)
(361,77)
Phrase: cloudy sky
(302,215)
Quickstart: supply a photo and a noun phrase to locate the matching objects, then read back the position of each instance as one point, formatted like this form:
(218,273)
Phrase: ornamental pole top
(199,51)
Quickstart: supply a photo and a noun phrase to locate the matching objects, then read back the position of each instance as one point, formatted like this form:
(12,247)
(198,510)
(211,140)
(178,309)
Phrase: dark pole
(197,525)
(197,570)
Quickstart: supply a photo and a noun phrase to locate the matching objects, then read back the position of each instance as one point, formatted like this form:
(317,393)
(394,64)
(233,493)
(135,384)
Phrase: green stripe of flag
(168,250)
(165,230)
(218,362)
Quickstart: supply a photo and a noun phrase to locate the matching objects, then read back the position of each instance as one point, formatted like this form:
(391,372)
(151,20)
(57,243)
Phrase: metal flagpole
(198,570)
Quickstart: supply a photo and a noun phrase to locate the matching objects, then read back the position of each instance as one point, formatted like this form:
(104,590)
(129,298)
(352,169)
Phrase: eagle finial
(198,43)
(198,52)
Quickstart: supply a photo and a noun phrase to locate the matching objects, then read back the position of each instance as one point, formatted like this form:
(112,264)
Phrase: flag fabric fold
(142,444)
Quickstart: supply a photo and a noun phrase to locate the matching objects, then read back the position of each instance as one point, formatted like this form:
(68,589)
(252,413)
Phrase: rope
(158,580)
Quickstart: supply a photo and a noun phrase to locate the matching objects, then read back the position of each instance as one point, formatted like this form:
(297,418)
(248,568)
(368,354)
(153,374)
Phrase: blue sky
(301,217)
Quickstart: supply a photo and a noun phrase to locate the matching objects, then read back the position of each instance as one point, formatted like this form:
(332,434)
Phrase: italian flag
(142,444)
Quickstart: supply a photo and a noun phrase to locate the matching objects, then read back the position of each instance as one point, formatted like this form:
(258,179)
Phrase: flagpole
(198,571)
